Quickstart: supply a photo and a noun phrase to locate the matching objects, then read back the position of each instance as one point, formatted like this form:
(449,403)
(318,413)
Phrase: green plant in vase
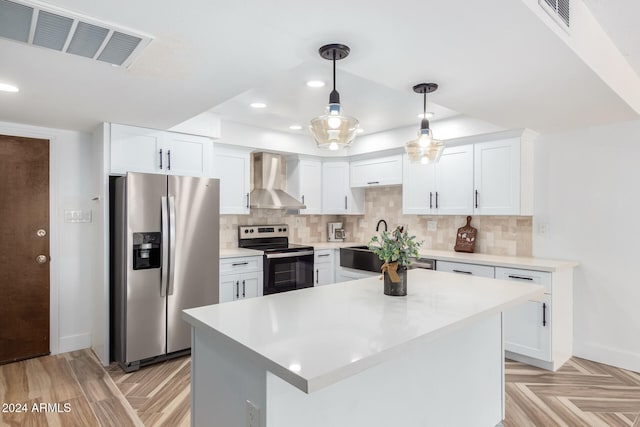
(395,249)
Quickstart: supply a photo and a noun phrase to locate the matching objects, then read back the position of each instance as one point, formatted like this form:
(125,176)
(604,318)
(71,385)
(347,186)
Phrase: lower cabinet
(464,268)
(240,278)
(324,267)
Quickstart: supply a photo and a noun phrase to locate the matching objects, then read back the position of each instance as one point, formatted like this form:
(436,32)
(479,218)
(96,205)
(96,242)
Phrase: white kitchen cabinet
(324,268)
(497,177)
(464,268)
(531,329)
(375,172)
(232,165)
(444,188)
(304,182)
(240,278)
(135,149)
(337,195)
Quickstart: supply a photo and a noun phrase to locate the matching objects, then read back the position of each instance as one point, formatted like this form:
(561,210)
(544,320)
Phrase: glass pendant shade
(424,149)
(333,130)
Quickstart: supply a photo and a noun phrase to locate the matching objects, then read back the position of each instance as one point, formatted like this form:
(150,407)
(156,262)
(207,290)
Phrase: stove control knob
(252,230)
(246,231)
(279,229)
(284,229)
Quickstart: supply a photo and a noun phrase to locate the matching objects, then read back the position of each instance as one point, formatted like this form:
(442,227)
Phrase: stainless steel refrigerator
(166,250)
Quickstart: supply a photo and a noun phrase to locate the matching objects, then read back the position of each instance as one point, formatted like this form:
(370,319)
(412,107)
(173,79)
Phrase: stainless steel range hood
(267,182)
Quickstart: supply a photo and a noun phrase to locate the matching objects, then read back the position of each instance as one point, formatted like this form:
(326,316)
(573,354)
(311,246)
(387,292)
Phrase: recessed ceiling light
(360,130)
(315,83)
(428,115)
(295,127)
(258,105)
(6,87)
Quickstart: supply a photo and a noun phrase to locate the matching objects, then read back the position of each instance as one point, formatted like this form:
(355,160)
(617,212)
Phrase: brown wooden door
(24,248)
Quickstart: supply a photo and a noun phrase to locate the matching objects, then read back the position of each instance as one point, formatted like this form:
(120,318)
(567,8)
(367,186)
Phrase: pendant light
(333,130)
(424,149)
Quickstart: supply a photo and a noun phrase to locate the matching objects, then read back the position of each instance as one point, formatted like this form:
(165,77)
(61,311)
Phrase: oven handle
(289,254)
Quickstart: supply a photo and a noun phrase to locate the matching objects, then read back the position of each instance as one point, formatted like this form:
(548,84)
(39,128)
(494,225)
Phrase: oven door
(287,271)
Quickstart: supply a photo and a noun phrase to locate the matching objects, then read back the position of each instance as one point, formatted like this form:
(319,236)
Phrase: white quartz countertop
(239,252)
(315,337)
(527,263)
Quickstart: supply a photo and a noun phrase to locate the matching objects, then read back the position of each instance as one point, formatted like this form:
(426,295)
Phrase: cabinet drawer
(323,256)
(463,268)
(240,265)
(542,278)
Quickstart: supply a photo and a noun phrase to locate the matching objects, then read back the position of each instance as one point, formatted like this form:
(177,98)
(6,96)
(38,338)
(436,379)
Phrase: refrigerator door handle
(172,242)
(165,249)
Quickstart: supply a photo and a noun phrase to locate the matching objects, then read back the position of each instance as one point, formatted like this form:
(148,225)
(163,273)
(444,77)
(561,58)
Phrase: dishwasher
(424,263)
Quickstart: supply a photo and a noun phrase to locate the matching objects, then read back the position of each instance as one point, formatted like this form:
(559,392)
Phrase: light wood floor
(581,393)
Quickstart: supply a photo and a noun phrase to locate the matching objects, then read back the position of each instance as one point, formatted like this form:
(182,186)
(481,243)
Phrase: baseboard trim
(608,355)
(74,342)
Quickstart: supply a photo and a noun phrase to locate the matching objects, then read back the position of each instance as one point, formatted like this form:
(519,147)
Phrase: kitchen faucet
(385,225)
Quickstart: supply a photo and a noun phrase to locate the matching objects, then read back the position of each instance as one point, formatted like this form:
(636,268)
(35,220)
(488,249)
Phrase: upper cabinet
(376,172)
(497,177)
(134,149)
(444,188)
(304,182)
(337,195)
(487,178)
(232,165)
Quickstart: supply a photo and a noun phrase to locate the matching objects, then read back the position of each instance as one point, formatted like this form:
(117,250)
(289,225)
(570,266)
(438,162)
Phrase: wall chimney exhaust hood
(267,190)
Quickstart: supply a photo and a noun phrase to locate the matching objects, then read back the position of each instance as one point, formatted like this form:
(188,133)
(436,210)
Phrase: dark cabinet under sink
(360,258)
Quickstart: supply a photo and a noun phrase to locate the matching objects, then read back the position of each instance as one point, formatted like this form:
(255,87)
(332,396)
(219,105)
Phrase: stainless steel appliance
(286,267)
(424,263)
(335,232)
(166,250)
(268,180)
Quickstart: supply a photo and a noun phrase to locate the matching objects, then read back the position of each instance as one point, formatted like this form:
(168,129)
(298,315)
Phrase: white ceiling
(494,60)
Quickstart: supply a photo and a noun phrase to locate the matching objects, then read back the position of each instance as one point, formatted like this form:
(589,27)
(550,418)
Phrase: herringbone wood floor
(581,393)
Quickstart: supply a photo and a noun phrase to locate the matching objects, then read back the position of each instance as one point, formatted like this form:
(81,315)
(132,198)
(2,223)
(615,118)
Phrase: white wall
(587,191)
(71,243)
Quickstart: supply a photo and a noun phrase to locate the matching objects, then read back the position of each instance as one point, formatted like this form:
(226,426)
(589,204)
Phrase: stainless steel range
(286,267)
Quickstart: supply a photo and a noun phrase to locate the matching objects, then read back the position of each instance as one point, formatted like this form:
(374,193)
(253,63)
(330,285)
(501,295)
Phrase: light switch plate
(77,215)
(432,225)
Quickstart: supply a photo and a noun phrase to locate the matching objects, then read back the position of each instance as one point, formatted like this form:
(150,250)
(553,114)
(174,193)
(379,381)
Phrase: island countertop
(315,337)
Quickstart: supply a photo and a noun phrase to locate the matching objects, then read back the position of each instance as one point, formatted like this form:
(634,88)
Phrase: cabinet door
(454,181)
(324,275)
(311,186)
(136,149)
(188,155)
(418,187)
(250,285)
(528,329)
(335,187)
(497,177)
(376,172)
(229,287)
(232,167)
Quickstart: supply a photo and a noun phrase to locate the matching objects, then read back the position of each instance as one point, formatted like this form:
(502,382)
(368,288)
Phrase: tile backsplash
(497,235)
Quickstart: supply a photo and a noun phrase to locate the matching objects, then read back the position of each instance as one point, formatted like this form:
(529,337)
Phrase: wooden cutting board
(466,238)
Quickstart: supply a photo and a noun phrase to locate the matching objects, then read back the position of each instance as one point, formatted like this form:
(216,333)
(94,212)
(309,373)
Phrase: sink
(360,258)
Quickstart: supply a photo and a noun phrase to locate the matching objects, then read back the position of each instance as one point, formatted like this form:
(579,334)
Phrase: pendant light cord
(334,69)
(424,106)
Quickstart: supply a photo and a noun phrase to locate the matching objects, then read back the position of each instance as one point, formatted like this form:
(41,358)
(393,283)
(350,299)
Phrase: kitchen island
(348,355)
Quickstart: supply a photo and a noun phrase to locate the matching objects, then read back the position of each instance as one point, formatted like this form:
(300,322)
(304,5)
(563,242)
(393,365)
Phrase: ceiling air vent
(558,9)
(69,32)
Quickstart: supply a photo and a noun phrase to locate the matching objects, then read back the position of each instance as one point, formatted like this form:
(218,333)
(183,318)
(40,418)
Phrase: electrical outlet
(543,228)
(253,415)
(297,220)
(432,225)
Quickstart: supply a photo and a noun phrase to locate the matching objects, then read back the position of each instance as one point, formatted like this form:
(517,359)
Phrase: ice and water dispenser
(146,250)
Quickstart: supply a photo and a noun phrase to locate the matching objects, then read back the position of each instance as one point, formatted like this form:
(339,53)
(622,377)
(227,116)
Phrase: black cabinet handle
(323,255)
(544,314)
(476,199)
(436,200)
(373,182)
(247,200)
(237,289)
(161,158)
(168,160)
(430,200)
(239,263)
(511,276)
(463,272)
(303,199)
(345,202)
(243,290)
(316,276)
